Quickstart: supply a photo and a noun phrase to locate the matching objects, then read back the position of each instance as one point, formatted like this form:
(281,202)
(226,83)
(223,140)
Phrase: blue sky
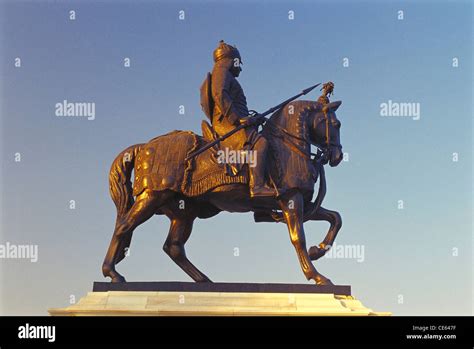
(408,252)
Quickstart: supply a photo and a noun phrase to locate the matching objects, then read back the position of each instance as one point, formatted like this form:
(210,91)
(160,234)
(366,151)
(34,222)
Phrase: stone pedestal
(189,299)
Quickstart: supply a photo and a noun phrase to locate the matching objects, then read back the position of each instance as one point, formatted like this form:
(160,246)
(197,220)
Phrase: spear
(260,116)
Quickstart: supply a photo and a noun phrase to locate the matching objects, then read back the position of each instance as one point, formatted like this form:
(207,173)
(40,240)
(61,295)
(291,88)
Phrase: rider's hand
(256,119)
(259,119)
(247,121)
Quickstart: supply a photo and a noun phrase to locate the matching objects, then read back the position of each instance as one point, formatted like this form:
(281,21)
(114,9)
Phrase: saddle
(161,165)
(204,172)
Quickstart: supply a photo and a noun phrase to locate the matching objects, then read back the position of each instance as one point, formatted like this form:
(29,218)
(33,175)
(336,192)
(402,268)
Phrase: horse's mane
(293,118)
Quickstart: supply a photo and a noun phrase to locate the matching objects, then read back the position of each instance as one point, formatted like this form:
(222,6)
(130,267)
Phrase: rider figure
(229,110)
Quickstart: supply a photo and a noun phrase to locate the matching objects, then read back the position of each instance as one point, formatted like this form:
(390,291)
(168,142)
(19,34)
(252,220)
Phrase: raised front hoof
(315,253)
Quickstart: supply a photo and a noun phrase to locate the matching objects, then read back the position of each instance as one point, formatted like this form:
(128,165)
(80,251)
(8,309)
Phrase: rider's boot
(257,172)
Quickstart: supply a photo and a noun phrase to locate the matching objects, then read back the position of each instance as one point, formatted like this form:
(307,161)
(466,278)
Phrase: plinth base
(202,303)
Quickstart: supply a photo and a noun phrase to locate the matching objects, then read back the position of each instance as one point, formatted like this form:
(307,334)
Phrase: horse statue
(167,182)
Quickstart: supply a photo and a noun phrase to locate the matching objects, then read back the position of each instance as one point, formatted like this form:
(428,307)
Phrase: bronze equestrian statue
(179,174)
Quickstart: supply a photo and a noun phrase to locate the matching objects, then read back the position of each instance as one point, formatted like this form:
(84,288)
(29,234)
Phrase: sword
(260,116)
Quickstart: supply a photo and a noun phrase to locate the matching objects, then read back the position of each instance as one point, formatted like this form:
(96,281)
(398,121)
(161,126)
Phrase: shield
(207,103)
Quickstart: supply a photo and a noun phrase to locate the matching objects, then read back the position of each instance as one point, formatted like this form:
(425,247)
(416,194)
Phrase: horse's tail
(120,186)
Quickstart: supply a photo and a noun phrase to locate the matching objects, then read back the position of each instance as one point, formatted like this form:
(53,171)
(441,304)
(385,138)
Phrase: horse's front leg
(335,221)
(293,212)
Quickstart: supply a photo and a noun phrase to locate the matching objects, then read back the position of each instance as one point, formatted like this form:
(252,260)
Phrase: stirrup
(262,192)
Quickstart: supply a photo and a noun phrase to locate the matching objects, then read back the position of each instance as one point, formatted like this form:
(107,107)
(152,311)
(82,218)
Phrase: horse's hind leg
(335,221)
(143,209)
(180,230)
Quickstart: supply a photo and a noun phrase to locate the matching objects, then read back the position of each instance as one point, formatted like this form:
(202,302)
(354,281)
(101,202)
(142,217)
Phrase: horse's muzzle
(335,156)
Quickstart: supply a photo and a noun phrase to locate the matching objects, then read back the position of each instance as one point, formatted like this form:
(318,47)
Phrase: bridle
(322,155)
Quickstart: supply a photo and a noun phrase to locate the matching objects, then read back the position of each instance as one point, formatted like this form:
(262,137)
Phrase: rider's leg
(257,172)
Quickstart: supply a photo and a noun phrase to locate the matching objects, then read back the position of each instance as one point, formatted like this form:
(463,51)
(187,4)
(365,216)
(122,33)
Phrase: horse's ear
(334,105)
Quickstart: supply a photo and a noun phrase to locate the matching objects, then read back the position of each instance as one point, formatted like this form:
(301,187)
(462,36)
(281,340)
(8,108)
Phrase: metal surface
(279,189)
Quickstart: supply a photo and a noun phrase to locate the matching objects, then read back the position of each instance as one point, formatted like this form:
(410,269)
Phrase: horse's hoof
(205,279)
(315,253)
(323,281)
(118,279)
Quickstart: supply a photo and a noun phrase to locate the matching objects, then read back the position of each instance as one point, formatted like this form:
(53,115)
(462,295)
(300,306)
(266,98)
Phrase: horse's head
(324,132)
